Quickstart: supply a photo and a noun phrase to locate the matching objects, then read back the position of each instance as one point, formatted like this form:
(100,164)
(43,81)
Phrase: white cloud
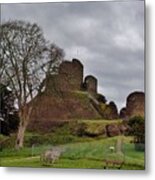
(130,40)
(108,37)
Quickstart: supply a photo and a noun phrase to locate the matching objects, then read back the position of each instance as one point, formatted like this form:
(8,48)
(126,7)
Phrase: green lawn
(77,155)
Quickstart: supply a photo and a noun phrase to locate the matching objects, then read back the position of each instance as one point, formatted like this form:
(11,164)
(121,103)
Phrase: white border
(34,1)
(70,174)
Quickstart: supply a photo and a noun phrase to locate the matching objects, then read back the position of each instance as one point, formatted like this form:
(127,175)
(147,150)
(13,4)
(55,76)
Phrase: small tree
(137,125)
(25,60)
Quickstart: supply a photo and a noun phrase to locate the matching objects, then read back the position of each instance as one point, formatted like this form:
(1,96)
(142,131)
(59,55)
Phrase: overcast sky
(108,38)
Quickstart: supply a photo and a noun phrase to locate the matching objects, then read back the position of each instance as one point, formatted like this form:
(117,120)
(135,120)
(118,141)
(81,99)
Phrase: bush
(46,126)
(79,129)
(101,98)
(137,130)
(7,142)
(52,139)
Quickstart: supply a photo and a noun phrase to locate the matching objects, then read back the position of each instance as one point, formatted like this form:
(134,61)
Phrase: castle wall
(135,104)
(69,77)
(90,84)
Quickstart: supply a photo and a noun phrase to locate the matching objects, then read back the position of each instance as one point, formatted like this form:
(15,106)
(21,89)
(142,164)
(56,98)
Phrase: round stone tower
(135,104)
(90,84)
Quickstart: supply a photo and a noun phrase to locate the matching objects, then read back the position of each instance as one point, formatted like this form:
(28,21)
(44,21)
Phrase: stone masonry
(135,105)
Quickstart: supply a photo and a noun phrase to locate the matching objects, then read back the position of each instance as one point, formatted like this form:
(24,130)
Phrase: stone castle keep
(69,95)
(70,78)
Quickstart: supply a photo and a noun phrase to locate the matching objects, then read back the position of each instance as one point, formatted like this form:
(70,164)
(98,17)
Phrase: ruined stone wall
(53,84)
(110,111)
(71,75)
(90,84)
(114,111)
(135,106)
(123,113)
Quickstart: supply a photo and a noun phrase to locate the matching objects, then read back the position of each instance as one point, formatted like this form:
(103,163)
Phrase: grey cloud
(108,37)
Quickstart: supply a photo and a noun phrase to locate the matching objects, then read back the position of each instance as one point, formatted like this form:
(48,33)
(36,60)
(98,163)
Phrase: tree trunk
(20,135)
(119,145)
(24,115)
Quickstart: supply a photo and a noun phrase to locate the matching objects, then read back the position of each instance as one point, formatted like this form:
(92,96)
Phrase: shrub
(79,129)
(137,130)
(7,142)
(101,98)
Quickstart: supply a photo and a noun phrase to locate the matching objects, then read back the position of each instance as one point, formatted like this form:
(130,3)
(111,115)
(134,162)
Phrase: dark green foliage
(101,98)
(4,128)
(7,142)
(13,120)
(137,130)
(9,119)
(79,129)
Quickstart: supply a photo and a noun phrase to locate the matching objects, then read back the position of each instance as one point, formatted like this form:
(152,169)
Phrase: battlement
(70,78)
(90,84)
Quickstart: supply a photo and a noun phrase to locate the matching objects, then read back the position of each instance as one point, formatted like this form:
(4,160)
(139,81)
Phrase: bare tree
(25,60)
(56,54)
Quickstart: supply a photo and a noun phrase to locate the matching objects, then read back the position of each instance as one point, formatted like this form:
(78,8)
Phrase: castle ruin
(70,78)
(90,84)
(135,105)
(68,95)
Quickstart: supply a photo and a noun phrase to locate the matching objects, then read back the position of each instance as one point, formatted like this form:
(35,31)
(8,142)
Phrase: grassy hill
(58,108)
